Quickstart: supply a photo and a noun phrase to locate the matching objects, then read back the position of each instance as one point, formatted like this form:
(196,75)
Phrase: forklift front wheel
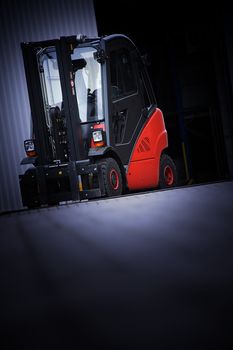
(167,173)
(112,177)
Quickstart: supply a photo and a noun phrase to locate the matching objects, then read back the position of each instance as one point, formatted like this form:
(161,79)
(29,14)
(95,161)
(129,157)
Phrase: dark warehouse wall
(191,50)
(21,21)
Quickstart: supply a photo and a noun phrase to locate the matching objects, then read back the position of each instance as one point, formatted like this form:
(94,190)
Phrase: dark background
(189,48)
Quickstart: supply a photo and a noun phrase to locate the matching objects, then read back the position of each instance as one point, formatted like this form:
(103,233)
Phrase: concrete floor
(148,271)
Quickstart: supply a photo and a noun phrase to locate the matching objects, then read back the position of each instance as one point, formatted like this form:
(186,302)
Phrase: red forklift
(97,130)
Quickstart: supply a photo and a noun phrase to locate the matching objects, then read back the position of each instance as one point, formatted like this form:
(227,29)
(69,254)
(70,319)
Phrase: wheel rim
(168,175)
(114,179)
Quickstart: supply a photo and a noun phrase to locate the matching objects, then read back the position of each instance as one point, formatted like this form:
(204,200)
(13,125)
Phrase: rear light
(29,147)
(98,138)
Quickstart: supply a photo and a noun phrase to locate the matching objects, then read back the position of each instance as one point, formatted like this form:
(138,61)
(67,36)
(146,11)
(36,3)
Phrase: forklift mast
(50,76)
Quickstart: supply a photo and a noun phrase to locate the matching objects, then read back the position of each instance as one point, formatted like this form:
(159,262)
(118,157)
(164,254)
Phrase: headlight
(97,136)
(29,147)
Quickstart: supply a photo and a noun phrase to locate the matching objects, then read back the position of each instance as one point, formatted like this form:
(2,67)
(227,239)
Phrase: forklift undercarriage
(52,184)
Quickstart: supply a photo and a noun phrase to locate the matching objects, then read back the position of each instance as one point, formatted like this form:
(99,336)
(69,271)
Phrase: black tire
(167,172)
(112,177)
(29,189)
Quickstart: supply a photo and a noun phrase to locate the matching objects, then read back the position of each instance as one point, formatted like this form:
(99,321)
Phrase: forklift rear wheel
(112,177)
(167,174)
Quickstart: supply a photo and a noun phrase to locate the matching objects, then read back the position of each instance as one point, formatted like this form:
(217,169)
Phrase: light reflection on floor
(143,271)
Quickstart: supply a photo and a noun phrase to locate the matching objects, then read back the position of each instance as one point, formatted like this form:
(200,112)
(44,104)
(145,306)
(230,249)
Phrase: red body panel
(143,169)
